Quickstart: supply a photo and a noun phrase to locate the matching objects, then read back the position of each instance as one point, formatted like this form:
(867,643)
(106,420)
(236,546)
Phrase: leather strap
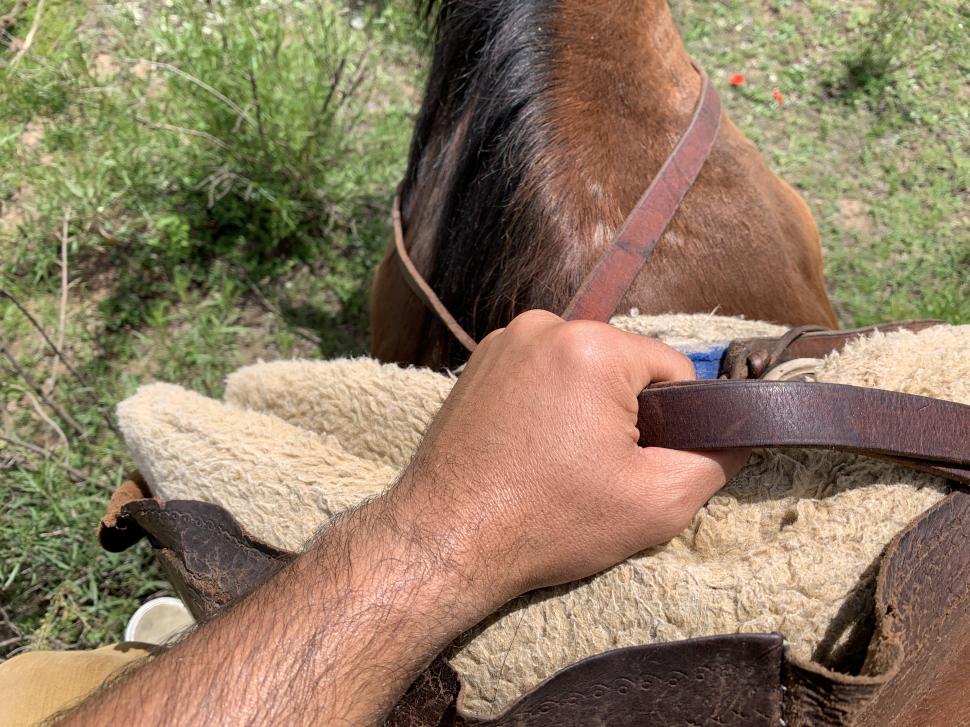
(206,554)
(916,431)
(604,288)
(420,286)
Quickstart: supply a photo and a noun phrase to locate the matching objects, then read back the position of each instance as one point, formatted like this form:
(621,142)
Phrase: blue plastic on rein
(707,361)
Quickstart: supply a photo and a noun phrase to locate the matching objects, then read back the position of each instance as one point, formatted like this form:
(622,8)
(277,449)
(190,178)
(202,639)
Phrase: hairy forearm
(334,638)
(529,476)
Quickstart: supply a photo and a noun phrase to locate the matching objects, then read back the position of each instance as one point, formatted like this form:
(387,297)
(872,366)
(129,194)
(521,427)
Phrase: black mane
(490,64)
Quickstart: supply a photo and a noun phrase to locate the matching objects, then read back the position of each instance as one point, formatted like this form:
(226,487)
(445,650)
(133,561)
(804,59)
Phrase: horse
(541,125)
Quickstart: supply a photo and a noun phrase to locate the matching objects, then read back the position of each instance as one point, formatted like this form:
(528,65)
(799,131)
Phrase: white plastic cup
(159,621)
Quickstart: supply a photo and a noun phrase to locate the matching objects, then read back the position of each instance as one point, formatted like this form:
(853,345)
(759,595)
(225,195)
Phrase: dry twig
(88,388)
(75,474)
(196,81)
(29,380)
(11,628)
(29,38)
(47,420)
(215,141)
(62,313)
(37,327)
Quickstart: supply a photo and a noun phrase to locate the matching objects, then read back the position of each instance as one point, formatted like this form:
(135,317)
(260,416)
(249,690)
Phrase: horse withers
(541,126)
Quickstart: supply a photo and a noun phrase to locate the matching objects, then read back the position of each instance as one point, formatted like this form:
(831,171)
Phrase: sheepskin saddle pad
(789,545)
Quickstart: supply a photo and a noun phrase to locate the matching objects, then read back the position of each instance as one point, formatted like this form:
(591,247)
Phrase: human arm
(529,476)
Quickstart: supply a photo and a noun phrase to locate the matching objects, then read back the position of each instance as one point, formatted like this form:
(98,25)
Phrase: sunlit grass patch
(216,177)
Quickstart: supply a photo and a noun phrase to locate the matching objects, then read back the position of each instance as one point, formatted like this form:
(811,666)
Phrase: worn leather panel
(209,558)
(923,604)
(915,670)
(728,681)
(818,697)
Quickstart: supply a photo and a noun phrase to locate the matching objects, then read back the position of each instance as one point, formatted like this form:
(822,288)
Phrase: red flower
(779,99)
(737,79)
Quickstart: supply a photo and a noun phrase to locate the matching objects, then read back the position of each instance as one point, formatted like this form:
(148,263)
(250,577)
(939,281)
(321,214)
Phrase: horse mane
(490,76)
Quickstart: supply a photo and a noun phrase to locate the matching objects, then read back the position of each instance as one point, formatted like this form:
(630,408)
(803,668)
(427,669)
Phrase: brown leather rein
(604,288)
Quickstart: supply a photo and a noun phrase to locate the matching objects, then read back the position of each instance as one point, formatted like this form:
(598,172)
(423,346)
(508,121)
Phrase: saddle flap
(208,557)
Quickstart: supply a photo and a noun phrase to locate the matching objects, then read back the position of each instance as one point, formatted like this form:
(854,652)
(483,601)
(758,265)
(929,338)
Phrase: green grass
(873,132)
(222,178)
(232,209)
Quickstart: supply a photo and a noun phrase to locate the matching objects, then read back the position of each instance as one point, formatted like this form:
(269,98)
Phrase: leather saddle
(905,664)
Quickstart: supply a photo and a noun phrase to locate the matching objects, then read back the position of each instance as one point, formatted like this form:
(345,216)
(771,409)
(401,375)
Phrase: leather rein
(621,262)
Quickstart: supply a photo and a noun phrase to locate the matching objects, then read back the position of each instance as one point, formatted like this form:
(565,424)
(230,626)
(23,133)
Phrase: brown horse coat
(503,216)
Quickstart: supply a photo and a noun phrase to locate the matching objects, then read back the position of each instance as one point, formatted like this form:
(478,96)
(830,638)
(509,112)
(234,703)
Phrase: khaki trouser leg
(38,684)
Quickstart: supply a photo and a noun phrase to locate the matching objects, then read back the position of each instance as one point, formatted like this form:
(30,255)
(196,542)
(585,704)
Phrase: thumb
(647,361)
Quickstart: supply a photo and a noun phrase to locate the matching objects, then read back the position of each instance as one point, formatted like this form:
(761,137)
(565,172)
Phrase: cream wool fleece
(788,545)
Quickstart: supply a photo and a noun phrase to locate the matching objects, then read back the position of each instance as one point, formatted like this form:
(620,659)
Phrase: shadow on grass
(319,288)
(340,334)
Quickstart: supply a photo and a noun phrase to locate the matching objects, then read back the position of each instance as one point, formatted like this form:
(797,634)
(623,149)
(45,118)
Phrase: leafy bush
(266,137)
(241,133)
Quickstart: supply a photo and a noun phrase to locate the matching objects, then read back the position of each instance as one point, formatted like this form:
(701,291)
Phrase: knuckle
(490,336)
(530,318)
(538,315)
(583,343)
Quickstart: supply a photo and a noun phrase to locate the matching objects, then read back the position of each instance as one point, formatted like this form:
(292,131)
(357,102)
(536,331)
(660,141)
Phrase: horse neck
(518,229)
(623,92)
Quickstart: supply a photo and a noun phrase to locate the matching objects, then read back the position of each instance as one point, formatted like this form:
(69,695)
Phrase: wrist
(454,548)
(389,594)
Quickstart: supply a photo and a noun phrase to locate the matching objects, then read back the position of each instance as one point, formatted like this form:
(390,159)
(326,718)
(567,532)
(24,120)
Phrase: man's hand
(533,466)
(529,476)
